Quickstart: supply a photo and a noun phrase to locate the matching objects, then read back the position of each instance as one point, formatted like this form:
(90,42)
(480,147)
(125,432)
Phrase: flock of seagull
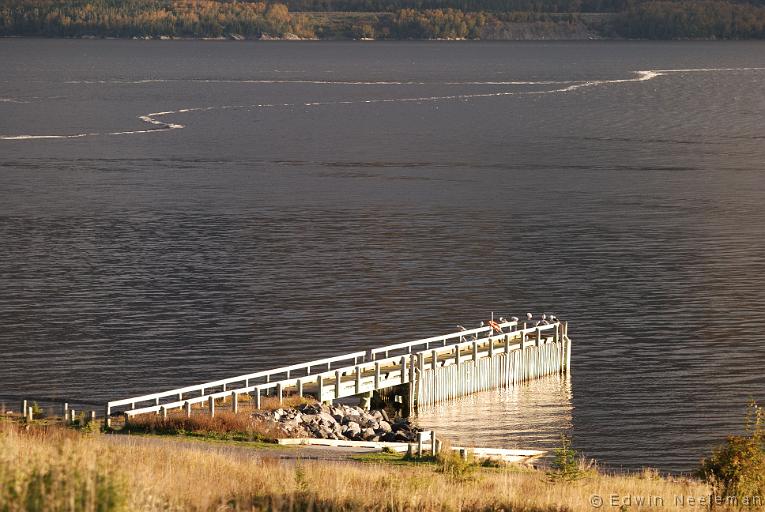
(545,319)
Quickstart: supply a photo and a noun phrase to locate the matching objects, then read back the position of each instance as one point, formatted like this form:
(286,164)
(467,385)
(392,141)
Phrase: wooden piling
(187,406)
(211,405)
(234,402)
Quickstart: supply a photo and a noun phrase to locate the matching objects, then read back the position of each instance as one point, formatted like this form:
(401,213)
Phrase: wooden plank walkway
(363,372)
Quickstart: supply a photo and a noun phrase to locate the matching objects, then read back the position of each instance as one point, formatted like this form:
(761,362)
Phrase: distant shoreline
(366,40)
(666,20)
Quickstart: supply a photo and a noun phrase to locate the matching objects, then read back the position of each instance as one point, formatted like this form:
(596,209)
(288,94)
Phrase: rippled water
(296,200)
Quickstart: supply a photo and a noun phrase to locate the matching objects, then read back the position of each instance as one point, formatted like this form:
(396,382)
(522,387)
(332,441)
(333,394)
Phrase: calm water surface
(291,201)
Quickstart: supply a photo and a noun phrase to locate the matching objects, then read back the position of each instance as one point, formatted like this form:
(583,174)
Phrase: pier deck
(430,369)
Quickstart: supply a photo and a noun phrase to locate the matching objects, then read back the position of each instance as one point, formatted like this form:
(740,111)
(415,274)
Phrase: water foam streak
(162,126)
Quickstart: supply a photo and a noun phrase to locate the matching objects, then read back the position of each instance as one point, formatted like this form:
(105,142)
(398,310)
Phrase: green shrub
(737,468)
(450,463)
(566,465)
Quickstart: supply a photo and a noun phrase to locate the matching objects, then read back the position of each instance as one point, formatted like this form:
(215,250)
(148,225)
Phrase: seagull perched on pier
(529,316)
(513,318)
(553,318)
(461,328)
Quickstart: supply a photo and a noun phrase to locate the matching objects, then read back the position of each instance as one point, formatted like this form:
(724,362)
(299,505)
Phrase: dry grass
(166,475)
(271,403)
(225,425)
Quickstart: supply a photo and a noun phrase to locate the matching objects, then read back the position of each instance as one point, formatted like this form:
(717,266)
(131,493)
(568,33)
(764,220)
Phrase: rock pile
(340,422)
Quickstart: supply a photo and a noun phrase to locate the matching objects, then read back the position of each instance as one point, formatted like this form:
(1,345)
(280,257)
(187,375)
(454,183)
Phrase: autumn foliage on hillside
(146,18)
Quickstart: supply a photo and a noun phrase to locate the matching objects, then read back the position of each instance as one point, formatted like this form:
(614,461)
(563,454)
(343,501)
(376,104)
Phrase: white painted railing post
(234,402)
(211,402)
(433,359)
(279,391)
(300,387)
(358,380)
(377,375)
(403,369)
(457,350)
(539,336)
(475,351)
(187,406)
(338,379)
(107,415)
(320,384)
(163,412)
(257,399)
(568,346)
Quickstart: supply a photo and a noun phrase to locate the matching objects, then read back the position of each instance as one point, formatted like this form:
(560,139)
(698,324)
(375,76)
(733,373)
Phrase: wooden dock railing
(320,379)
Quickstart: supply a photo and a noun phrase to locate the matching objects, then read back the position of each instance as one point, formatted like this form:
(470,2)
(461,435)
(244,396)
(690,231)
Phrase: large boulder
(384,427)
(327,418)
(310,408)
(352,430)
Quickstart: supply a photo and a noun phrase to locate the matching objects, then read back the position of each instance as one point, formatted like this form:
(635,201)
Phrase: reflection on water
(531,415)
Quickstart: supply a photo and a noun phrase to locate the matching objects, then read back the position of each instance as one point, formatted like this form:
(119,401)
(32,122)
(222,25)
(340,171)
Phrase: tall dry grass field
(61,470)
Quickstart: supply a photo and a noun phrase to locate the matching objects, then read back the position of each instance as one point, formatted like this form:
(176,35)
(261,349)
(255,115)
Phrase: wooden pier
(425,371)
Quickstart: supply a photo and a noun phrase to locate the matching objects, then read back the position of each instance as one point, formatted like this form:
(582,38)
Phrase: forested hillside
(387,19)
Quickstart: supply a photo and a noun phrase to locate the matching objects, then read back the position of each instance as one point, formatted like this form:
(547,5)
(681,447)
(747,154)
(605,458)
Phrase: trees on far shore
(397,19)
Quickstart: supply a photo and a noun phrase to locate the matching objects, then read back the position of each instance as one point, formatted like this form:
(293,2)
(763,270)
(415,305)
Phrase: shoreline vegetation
(385,19)
(49,468)
(46,465)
